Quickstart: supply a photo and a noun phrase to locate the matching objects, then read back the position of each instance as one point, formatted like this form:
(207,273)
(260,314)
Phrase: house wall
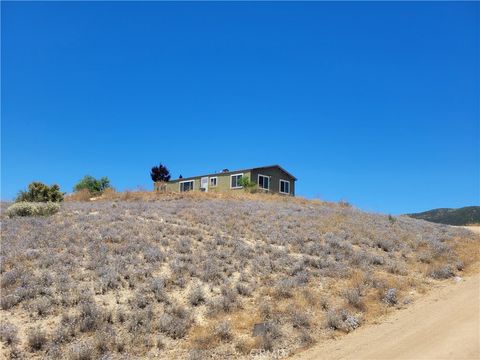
(223,183)
(275,175)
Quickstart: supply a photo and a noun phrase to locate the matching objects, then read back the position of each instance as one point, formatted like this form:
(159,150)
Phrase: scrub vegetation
(209,275)
(39,192)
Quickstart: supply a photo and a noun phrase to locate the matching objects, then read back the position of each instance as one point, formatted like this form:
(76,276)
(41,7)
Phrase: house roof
(236,171)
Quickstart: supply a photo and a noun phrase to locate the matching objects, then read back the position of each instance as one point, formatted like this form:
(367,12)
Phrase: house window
(285,187)
(213,181)
(186,185)
(235,181)
(263,182)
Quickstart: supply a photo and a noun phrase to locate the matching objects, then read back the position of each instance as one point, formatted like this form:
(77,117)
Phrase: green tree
(39,192)
(94,186)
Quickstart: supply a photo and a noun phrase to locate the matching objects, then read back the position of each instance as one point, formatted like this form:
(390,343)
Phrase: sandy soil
(445,324)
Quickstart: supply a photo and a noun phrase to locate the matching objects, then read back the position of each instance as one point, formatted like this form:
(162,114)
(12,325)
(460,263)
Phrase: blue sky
(374,103)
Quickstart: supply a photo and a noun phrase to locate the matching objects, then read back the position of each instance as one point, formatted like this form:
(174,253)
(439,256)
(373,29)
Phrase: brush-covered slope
(469,215)
(190,276)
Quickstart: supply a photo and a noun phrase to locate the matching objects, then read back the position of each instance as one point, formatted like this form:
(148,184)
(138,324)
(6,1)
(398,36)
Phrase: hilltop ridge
(469,215)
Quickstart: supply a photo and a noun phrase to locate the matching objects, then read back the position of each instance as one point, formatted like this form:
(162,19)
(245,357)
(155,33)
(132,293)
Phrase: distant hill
(463,216)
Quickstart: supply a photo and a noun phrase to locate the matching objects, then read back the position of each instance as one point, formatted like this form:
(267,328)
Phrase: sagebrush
(25,208)
(185,276)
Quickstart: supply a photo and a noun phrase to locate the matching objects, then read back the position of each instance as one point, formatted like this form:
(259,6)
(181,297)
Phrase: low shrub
(66,330)
(196,354)
(175,323)
(341,320)
(89,317)
(153,255)
(300,319)
(102,342)
(9,301)
(350,322)
(228,300)
(140,321)
(22,209)
(36,339)
(284,288)
(396,267)
(354,298)
(333,320)
(173,326)
(159,343)
(390,297)
(10,277)
(270,334)
(81,351)
(305,338)
(243,289)
(196,297)
(386,245)
(157,285)
(32,209)
(224,331)
(324,303)
(8,333)
(442,272)
(42,306)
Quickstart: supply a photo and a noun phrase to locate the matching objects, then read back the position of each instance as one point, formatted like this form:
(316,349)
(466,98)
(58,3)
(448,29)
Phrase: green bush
(39,192)
(25,208)
(95,186)
(247,184)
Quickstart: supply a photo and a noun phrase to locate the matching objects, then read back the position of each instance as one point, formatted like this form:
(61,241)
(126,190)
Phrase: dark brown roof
(236,171)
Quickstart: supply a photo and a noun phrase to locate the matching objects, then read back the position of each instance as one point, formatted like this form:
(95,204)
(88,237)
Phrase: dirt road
(445,324)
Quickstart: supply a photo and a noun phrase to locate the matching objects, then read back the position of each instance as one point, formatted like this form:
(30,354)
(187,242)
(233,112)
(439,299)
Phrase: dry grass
(187,275)
(111,194)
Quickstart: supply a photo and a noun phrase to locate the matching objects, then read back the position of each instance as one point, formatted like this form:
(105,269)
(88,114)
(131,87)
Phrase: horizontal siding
(275,174)
(223,183)
(223,180)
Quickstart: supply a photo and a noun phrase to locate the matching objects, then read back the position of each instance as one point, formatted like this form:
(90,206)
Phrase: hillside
(203,276)
(463,216)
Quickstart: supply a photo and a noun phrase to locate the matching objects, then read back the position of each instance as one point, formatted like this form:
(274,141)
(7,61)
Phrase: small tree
(247,184)
(160,173)
(39,192)
(94,186)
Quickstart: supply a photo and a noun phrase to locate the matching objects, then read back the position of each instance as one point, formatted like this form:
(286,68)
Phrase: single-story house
(274,179)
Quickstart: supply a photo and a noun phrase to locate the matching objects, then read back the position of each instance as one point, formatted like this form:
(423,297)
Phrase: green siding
(223,180)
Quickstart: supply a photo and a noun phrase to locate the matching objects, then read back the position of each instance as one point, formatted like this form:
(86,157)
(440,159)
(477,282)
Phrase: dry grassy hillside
(189,276)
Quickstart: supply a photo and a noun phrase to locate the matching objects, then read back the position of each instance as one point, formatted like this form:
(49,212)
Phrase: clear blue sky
(374,103)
